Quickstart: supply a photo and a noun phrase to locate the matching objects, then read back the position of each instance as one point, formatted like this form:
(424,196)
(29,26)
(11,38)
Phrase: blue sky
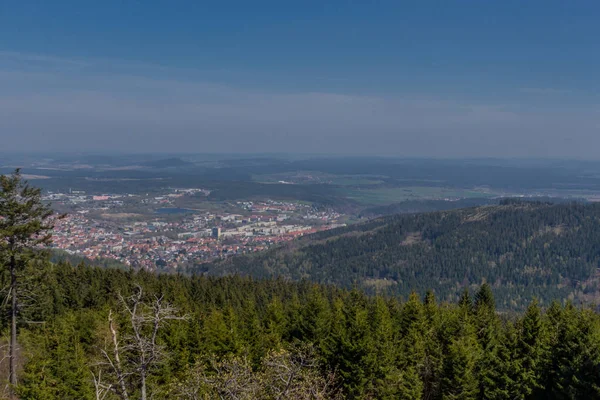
(425,78)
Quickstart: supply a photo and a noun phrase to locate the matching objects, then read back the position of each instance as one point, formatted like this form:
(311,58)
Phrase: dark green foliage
(459,377)
(24,228)
(376,347)
(528,343)
(522,249)
(465,302)
(420,206)
(572,361)
(484,299)
(59,365)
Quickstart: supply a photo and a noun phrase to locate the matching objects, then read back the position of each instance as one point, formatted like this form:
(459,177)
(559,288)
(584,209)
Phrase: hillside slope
(522,249)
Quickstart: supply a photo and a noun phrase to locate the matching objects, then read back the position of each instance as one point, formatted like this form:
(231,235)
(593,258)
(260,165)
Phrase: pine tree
(494,365)
(432,366)
(430,306)
(529,345)
(588,384)
(384,352)
(560,363)
(572,362)
(275,324)
(57,366)
(350,344)
(465,302)
(410,385)
(315,322)
(485,298)
(216,335)
(460,382)
(412,314)
(24,227)
(413,348)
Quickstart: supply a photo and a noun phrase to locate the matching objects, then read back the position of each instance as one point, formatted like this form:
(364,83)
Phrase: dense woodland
(523,249)
(235,338)
(426,205)
(82,332)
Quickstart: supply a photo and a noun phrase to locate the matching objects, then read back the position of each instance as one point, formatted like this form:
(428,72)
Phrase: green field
(381,196)
(316,177)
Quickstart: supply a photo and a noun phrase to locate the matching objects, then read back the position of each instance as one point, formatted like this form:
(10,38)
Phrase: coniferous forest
(523,249)
(236,338)
(82,332)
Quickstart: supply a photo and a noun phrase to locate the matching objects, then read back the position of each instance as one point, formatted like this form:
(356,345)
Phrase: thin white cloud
(53,103)
(16,57)
(544,91)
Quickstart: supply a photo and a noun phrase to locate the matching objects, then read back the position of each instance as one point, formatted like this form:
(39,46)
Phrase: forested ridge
(420,206)
(236,338)
(523,249)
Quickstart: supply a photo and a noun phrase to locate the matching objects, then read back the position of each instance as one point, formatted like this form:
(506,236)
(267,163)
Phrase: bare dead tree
(230,378)
(234,379)
(296,374)
(101,389)
(4,352)
(283,375)
(128,361)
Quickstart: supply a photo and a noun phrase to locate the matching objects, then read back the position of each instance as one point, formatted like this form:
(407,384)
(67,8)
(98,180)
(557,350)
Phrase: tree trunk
(117,367)
(143,395)
(13,328)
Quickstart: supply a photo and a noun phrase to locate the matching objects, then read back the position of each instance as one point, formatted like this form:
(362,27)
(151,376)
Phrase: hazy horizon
(283,156)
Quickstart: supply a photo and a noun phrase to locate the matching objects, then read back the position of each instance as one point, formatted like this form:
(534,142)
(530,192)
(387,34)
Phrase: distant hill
(418,206)
(523,249)
(167,163)
(425,205)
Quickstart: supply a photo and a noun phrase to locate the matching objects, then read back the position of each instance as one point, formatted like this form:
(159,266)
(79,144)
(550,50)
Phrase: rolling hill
(523,249)
(167,163)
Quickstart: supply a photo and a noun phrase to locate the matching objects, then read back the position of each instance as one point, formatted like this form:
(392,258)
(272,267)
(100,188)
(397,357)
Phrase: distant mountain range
(523,249)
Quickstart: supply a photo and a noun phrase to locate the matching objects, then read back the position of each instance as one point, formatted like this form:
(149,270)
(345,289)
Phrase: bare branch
(117,367)
(140,349)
